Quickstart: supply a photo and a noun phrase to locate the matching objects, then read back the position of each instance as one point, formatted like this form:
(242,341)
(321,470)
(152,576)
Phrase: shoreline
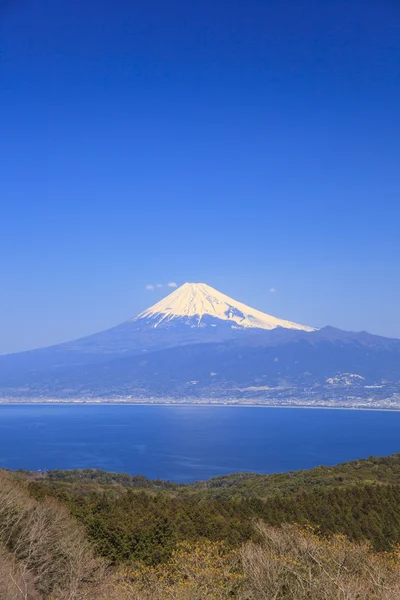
(197,405)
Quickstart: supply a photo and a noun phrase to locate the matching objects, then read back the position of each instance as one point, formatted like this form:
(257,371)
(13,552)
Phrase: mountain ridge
(193,344)
(138,335)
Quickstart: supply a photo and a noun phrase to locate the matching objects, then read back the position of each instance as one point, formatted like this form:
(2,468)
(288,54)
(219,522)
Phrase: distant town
(361,398)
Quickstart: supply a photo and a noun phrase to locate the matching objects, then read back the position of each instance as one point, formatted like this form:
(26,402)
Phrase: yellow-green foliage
(203,570)
(286,563)
(292,563)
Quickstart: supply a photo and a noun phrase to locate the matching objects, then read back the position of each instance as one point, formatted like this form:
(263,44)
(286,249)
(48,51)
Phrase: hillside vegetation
(329,533)
(384,470)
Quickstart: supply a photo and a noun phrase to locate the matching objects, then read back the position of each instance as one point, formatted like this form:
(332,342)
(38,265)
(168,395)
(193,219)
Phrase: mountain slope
(193,301)
(197,342)
(270,364)
(194,313)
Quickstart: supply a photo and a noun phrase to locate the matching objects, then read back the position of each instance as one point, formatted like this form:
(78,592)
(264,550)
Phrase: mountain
(199,343)
(193,313)
(199,305)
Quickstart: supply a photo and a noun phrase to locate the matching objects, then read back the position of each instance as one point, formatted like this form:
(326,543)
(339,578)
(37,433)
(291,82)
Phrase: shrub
(195,571)
(290,563)
(51,549)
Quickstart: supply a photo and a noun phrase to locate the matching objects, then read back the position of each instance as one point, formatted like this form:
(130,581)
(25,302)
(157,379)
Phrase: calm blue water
(192,442)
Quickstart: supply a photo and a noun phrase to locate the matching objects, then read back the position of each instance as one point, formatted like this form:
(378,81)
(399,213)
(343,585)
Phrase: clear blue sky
(247,144)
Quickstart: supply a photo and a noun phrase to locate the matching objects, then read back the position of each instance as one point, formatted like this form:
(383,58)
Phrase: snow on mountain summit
(195,301)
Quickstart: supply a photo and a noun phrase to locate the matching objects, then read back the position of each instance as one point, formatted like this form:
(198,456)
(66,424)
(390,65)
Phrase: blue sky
(250,145)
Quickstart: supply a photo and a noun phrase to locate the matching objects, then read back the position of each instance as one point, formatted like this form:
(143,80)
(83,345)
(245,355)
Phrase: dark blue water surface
(185,443)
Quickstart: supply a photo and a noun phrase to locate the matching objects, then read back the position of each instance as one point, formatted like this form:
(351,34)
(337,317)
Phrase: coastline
(195,405)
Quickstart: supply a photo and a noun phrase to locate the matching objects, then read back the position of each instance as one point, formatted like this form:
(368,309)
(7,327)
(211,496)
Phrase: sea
(188,443)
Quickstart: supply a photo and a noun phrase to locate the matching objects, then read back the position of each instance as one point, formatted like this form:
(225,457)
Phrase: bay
(187,443)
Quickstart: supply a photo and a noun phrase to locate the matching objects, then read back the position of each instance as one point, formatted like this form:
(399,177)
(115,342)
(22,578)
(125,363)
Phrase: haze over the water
(250,145)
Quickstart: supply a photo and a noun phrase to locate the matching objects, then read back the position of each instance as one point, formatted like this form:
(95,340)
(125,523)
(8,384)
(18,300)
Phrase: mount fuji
(199,305)
(198,342)
(193,313)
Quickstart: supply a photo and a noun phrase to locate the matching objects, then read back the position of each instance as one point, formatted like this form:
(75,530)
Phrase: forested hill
(121,537)
(360,499)
(374,470)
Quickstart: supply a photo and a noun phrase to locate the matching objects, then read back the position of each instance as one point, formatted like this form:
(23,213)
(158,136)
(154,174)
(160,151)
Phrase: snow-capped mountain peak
(195,301)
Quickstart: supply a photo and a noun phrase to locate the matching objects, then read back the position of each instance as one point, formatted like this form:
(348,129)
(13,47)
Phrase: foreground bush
(286,563)
(15,580)
(195,571)
(289,563)
(42,550)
